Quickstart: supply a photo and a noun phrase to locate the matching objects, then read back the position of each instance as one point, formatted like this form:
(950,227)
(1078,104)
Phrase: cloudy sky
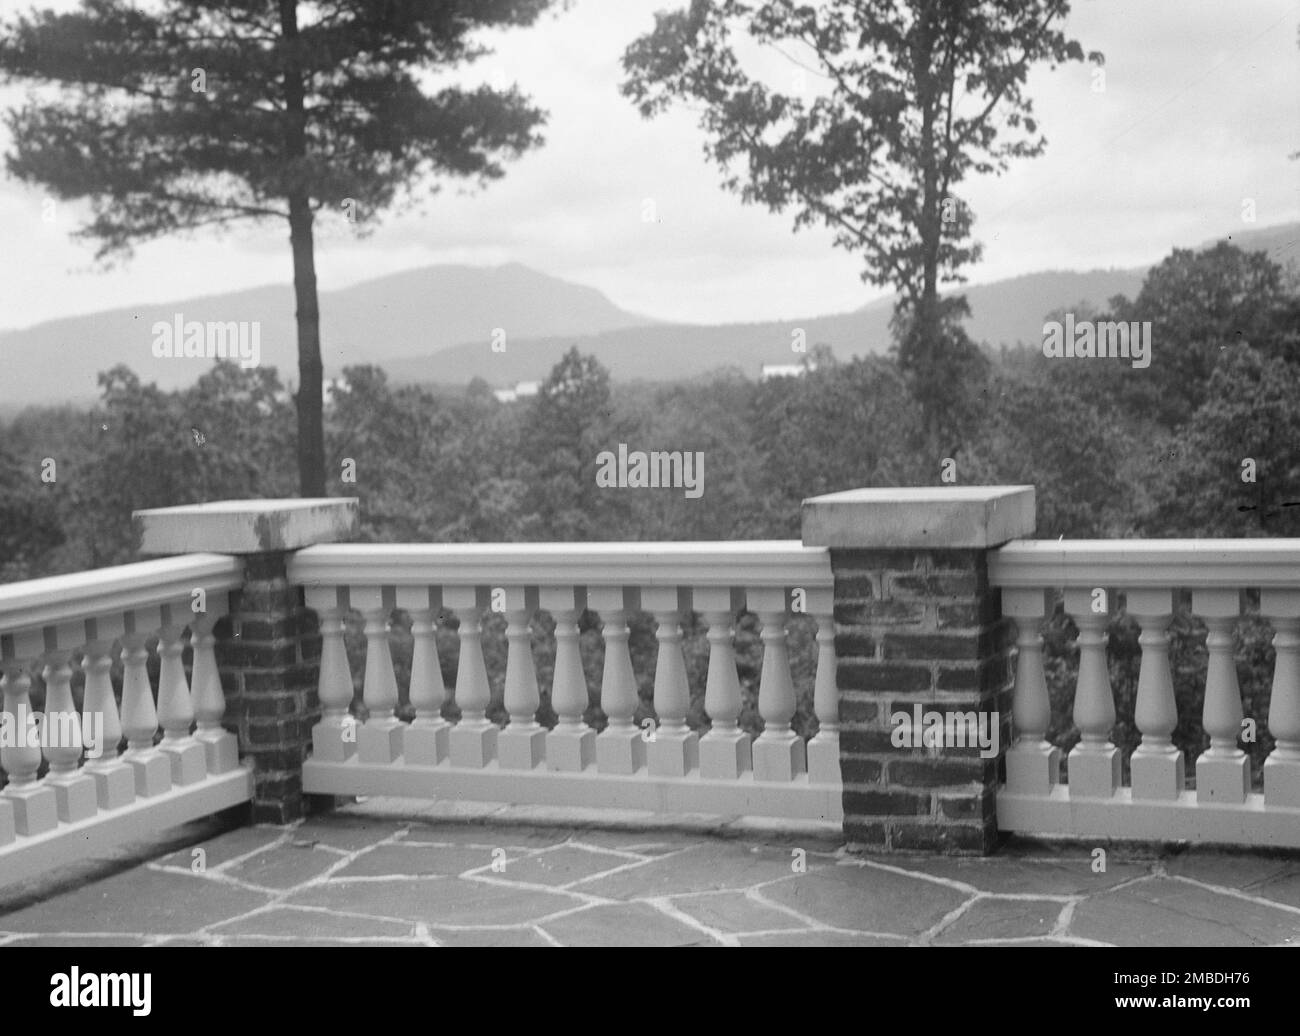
(1200,110)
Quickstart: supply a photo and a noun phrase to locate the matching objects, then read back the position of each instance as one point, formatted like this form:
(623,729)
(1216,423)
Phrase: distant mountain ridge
(436,325)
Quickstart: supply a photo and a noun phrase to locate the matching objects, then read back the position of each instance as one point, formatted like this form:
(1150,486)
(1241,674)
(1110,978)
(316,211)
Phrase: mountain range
(437,325)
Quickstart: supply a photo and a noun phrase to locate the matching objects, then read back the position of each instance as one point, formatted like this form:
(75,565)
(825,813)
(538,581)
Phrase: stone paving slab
(382,873)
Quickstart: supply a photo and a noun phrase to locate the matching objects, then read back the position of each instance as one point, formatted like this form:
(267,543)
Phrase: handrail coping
(245,526)
(1147,564)
(919,517)
(767,563)
(35,603)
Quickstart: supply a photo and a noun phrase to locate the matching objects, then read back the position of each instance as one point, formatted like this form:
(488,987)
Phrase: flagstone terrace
(913,592)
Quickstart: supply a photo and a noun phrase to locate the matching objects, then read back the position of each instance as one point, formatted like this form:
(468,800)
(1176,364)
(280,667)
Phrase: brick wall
(268,651)
(918,627)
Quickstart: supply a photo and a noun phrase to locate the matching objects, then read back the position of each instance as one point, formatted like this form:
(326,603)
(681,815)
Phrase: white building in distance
(783,370)
(522,390)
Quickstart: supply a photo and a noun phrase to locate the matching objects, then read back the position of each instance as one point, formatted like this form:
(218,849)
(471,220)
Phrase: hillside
(435,324)
(422,310)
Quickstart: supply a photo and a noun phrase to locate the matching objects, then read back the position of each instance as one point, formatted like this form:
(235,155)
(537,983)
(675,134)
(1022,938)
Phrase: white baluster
(114,779)
(621,746)
(34,807)
(726,750)
(426,741)
(220,746)
(474,738)
(153,772)
(1033,763)
(1094,763)
(522,745)
(824,746)
(175,710)
(74,791)
(1223,769)
(380,738)
(1282,767)
(673,748)
(1157,766)
(779,753)
(571,746)
(334,738)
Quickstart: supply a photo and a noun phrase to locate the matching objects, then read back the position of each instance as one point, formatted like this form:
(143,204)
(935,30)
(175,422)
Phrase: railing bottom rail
(795,800)
(141,819)
(1123,817)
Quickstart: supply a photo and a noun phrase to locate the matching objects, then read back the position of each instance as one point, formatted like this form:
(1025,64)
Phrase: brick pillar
(268,647)
(917,626)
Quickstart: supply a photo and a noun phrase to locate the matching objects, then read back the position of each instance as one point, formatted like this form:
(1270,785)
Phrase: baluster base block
(153,772)
(570,751)
(334,740)
(220,750)
(188,760)
(521,747)
(1093,773)
(76,796)
(620,751)
(780,757)
(35,807)
(725,755)
(380,740)
(426,742)
(673,753)
(114,785)
(1282,782)
(824,759)
(473,745)
(8,831)
(1033,768)
(1223,780)
(1158,775)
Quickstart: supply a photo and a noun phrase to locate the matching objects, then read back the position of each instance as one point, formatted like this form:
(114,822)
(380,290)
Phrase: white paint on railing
(78,809)
(725,563)
(662,765)
(1157,805)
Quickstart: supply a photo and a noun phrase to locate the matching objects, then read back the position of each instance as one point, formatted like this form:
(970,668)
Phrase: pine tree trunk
(311,421)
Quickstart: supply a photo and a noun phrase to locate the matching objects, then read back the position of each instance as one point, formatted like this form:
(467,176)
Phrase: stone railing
(661,765)
(916,595)
(1158,804)
(93,796)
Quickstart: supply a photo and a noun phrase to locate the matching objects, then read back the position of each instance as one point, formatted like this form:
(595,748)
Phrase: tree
(1038,428)
(565,429)
(195,113)
(1202,304)
(221,438)
(30,525)
(1232,470)
(838,427)
(916,96)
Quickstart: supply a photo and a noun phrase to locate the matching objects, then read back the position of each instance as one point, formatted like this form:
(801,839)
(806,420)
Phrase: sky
(1199,113)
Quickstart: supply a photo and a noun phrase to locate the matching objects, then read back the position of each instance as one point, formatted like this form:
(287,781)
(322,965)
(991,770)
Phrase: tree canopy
(910,99)
(185,114)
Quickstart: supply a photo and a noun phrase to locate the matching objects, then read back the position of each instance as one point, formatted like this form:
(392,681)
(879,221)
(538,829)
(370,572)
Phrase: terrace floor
(385,872)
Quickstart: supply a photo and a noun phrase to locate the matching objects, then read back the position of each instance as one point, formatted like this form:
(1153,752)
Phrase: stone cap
(920,516)
(245,526)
